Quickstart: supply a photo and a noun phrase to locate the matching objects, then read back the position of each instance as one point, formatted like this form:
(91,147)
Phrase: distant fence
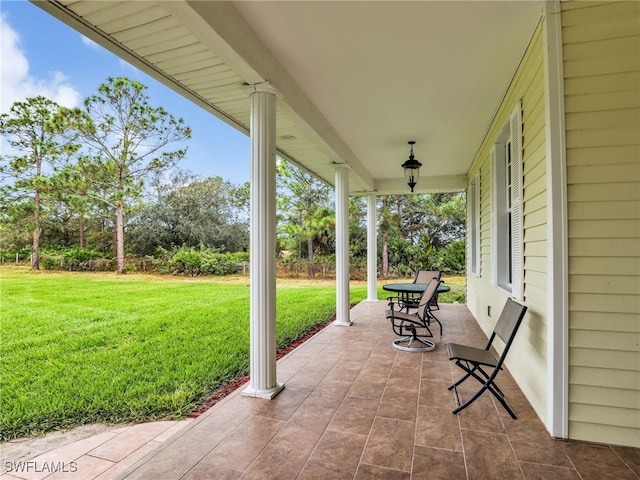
(291,269)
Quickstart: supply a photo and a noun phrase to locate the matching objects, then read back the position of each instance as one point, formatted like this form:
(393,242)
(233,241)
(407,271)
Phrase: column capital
(263,87)
(342,165)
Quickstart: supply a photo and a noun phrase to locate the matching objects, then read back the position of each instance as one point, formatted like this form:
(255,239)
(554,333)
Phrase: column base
(264,394)
(343,324)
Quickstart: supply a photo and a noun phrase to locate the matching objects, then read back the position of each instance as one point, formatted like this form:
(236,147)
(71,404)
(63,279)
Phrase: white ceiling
(357,79)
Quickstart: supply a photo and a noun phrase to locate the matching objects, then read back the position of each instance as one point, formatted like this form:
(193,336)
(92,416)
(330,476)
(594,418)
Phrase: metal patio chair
(414,328)
(422,276)
(481,364)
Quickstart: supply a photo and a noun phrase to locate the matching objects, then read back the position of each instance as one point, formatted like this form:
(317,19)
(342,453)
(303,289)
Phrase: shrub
(203,261)
(72,259)
(451,259)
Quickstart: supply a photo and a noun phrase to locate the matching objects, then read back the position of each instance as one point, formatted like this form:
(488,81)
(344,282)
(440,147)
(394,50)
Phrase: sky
(40,55)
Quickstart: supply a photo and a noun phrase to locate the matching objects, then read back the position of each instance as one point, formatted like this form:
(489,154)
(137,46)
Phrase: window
(473,199)
(506,207)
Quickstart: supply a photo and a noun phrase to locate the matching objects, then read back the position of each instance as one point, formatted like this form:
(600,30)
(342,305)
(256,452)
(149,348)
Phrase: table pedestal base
(414,344)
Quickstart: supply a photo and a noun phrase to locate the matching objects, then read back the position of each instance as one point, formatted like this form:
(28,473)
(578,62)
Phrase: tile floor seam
(320,440)
(140,463)
(384,468)
(306,462)
(284,424)
(79,455)
(131,452)
(375,415)
(106,459)
(546,465)
(573,465)
(248,467)
(324,431)
(626,464)
(513,450)
(415,426)
(464,451)
(441,449)
(201,460)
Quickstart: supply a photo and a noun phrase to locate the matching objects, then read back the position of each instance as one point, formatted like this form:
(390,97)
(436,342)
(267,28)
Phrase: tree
(439,216)
(389,214)
(358,227)
(416,231)
(304,209)
(33,128)
(125,141)
(185,210)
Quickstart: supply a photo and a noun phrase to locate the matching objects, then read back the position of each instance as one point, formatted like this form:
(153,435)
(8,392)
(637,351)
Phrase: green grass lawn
(78,348)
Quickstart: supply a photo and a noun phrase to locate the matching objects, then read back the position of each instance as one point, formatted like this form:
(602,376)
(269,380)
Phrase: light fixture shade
(411,168)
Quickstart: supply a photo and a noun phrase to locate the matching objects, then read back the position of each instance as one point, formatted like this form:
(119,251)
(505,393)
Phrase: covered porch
(355,407)
(458,78)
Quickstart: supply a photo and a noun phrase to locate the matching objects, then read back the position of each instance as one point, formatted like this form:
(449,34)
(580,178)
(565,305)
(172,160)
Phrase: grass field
(77,348)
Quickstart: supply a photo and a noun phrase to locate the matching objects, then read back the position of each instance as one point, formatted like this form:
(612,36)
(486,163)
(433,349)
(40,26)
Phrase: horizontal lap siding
(526,361)
(602,103)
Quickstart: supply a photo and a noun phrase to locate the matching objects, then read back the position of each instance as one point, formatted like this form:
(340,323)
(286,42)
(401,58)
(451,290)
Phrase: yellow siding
(526,362)
(602,101)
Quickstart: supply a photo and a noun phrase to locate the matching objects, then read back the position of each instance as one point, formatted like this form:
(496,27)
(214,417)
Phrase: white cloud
(17,84)
(127,66)
(90,43)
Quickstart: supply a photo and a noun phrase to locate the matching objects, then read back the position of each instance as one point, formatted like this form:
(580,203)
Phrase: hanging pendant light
(411,168)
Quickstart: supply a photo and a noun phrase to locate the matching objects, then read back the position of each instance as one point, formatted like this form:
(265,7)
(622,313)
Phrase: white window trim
(474,220)
(511,134)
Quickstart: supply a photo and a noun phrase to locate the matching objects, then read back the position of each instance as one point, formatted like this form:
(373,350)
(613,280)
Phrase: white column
(372,248)
(342,245)
(263,382)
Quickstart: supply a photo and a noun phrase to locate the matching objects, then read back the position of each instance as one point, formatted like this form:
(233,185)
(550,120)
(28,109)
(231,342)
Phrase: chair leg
(470,372)
(431,315)
(489,385)
(459,408)
(462,379)
(504,403)
(499,395)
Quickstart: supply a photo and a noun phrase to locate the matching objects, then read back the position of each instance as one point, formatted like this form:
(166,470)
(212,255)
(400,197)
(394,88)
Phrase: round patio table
(406,290)
(409,288)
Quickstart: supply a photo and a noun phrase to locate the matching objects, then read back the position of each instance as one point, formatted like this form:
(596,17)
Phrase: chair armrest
(405,316)
(393,301)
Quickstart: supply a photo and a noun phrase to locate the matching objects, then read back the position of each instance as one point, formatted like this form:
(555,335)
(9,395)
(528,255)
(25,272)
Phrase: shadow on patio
(355,407)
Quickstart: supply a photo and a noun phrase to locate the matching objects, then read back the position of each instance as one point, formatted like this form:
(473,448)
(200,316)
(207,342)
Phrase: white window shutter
(473,204)
(516,208)
(494,219)
(478,226)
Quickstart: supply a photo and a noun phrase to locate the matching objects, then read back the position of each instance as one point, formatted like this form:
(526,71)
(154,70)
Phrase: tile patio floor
(353,408)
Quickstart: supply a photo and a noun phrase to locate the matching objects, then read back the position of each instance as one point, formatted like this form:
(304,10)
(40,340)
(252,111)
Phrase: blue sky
(42,56)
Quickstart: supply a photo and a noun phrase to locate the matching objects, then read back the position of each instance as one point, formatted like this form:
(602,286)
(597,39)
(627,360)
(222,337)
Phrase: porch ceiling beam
(246,53)
(439,184)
